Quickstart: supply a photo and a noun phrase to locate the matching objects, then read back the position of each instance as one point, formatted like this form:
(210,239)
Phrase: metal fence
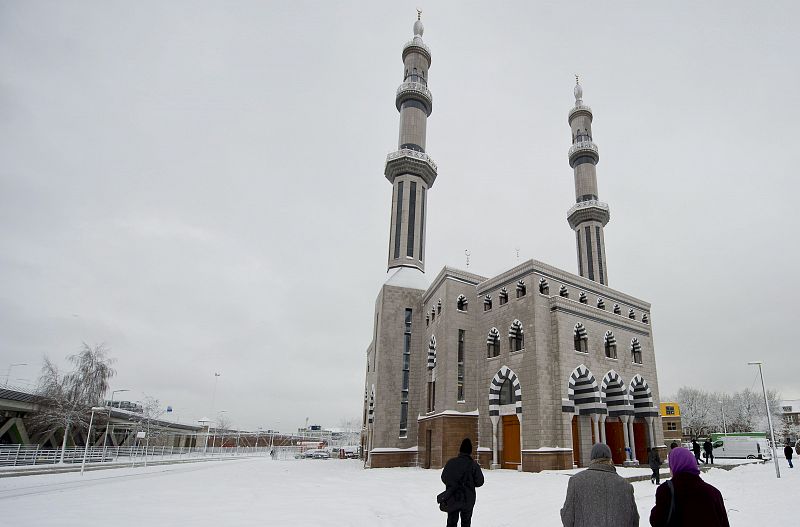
(21,455)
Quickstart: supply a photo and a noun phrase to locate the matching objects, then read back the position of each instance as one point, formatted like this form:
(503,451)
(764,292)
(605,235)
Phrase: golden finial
(419,14)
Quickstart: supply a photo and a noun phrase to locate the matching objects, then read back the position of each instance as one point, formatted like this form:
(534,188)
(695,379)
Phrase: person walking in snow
(460,476)
(686,499)
(787,451)
(598,496)
(655,464)
(696,450)
(708,451)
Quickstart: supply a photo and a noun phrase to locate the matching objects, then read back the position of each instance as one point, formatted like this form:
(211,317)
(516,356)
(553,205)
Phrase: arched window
(645,318)
(506,392)
(461,303)
(564,292)
(611,345)
(503,296)
(439,307)
(636,350)
(516,339)
(582,298)
(581,338)
(493,343)
(601,303)
(433,314)
(427,320)
(617,309)
(521,289)
(487,303)
(432,352)
(632,314)
(544,287)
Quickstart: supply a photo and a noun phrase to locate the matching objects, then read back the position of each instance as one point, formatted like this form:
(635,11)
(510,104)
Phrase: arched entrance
(615,396)
(583,395)
(641,424)
(505,406)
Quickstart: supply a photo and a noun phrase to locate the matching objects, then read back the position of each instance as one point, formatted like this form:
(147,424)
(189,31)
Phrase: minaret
(589,215)
(410,170)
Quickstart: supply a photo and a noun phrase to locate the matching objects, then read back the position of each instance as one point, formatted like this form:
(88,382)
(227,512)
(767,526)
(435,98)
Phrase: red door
(640,441)
(576,442)
(615,438)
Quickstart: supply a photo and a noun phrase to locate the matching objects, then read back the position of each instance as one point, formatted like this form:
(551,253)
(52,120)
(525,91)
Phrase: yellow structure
(670,410)
(671,422)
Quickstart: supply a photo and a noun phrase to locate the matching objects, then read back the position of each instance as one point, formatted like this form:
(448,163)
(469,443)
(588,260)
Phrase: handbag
(453,498)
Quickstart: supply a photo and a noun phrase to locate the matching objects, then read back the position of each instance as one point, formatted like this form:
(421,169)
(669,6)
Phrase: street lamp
(769,415)
(105,437)
(724,426)
(205,421)
(8,373)
(89,435)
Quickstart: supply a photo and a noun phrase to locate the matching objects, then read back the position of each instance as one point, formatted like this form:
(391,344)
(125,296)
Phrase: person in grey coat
(598,496)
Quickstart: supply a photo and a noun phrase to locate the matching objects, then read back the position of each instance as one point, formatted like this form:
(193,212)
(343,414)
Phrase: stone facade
(534,364)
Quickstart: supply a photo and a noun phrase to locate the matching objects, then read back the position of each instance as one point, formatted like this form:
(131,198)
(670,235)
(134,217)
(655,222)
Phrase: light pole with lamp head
(769,415)
(207,422)
(724,426)
(89,435)
(10,366)
(110,407)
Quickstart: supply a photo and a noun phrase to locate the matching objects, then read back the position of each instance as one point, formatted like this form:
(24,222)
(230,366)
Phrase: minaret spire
(589,215)
(410,170)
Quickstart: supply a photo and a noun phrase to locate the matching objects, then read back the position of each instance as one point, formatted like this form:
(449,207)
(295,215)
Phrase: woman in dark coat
(655,464)
(696,502)
(787,451)
(462,474)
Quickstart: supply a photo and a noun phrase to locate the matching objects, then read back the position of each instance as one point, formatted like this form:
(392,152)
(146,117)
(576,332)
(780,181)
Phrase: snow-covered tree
(696,410)
(65,399)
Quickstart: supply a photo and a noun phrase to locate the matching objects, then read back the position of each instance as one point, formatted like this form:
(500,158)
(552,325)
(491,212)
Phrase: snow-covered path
(338,493)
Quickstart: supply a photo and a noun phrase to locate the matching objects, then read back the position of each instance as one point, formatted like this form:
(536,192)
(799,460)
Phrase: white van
(742,447)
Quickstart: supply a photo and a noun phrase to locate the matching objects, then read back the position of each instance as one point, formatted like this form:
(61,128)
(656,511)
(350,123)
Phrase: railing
(416,87)
(417,42)
(579,107)
(591,203)
(582,146)
(26,455)
(407,152)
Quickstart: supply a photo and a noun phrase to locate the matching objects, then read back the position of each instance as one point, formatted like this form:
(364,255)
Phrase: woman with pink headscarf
(686,499)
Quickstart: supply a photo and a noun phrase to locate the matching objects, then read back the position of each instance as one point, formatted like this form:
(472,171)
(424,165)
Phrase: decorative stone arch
(583,393)
(642,398)
(493,343)
(432,352)
(371,411)
(614,394)
(610,345)
(563,291)
(544,287)
(601,304)
(462,303)
(582,298)
(516,336)
(521,289)
(636,351)
(494,391)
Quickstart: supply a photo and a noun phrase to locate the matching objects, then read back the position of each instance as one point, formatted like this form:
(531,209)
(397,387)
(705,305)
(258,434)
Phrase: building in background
(535,364)
(671,422)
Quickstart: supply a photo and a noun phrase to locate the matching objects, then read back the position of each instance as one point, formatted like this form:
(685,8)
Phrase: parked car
(317,454)
(746,447)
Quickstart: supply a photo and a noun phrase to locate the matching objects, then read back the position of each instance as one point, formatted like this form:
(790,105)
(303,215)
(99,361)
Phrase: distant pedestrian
(272,453)
(598,496)
(787,451)
(686,499)
(460,476)
(708,451)
(673,445)
(696,450)
(655,464)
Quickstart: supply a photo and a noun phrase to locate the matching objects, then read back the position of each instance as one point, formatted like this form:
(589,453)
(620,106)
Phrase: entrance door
(512,455)
(428,442)
(615,438)
(640,441)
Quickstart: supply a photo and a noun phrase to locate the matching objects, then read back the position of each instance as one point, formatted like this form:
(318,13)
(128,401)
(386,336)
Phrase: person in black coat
(462,474)
(655,464)
(787,451)
(696,450)
(708,450)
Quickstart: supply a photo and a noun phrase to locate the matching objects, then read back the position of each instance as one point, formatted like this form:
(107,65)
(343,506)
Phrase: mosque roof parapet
(590,209)
(583,148)
(407,161)
(558,303)
(580,108)
(410,90)
(452,273)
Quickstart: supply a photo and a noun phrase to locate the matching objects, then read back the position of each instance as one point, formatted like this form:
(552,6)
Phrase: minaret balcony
(417,45)
(579,108)
(583,149)
(589,210)
(414,90)
(407,161)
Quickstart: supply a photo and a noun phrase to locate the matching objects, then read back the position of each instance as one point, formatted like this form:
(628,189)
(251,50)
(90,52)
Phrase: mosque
(535,364)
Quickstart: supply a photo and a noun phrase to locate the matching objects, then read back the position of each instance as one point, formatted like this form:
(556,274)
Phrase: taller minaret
(409,169)
(589,215)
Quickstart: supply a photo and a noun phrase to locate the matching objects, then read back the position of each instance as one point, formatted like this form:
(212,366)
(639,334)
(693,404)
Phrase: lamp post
(216,424)
(105,437)
(769,415)
(724,426)
(10,366)
(258,431)
(207,422)
(89,435)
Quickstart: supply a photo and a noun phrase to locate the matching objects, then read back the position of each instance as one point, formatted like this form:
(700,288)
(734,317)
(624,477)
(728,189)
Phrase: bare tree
(65,399)
(223,424)
(695,405)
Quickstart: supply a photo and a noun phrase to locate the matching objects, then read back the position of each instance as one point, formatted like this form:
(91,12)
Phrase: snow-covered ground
(263,492)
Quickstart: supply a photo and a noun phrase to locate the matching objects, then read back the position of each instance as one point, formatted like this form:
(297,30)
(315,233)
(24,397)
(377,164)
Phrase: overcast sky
(200,184)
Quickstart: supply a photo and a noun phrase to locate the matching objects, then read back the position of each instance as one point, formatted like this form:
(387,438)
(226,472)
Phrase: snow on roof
(387,449)
(408,277)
